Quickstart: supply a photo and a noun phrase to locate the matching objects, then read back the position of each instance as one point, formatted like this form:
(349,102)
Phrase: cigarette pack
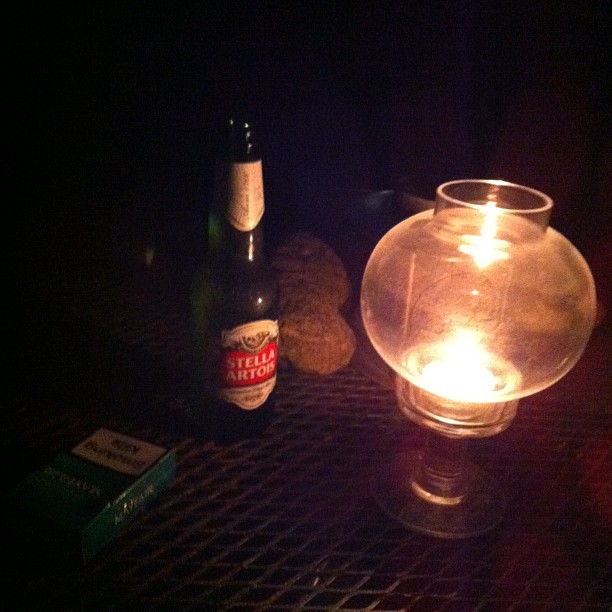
(82,499)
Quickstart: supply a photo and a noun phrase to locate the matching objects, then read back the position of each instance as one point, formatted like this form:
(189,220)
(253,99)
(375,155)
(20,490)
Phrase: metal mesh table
(287,521)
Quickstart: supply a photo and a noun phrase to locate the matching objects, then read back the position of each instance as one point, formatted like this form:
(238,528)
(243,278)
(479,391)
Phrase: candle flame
(462,370)
(486,248)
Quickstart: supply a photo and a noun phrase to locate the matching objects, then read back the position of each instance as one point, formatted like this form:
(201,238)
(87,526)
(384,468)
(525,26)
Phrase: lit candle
(460,369)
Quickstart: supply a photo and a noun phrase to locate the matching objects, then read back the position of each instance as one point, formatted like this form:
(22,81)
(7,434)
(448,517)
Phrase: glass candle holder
(473,305)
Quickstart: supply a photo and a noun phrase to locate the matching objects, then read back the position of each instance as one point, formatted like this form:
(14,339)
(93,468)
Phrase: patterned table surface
(287,521)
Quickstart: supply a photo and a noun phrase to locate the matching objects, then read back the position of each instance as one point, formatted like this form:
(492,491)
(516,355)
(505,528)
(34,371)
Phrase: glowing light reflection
(486,248)
(462,369)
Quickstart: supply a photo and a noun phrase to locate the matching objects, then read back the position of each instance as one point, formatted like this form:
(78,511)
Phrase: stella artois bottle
(234,298)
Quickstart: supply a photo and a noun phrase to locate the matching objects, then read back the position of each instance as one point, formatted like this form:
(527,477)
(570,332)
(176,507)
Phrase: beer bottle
(234,298)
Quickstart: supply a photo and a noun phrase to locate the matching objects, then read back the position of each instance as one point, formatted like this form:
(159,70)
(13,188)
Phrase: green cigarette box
(84,498)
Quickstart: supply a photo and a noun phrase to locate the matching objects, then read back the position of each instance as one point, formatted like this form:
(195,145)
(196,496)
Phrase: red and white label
(240,369)
(247,367)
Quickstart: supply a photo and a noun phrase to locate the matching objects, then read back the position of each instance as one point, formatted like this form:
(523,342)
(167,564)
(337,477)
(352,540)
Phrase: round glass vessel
(475,305)
(479,302)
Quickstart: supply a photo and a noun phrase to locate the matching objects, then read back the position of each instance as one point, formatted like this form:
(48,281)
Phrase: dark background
(113,109)
(109,136)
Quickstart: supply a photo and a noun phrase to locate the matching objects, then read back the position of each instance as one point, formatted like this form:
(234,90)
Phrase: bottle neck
(247,248)
(235,222)
(238,141)
(236,217)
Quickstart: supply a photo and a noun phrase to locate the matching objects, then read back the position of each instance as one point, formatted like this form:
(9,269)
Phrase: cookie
(316,339)
(303,250)
(296,288)
(308,269)
(313,288)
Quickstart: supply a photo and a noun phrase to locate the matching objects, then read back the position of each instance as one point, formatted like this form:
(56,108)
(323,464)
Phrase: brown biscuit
(303,250)
(296,288)
(316,339)
(313,287)
(309,270)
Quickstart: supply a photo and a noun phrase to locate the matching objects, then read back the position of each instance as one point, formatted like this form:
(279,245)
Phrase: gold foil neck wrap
(245,203)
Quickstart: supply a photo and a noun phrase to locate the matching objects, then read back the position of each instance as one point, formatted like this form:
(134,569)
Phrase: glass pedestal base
(481,508)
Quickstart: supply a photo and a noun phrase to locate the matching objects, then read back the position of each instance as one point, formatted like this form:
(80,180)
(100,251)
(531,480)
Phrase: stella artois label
(247,367)
(245,204)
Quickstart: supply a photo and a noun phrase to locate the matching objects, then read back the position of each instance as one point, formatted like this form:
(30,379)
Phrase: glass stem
(439,476)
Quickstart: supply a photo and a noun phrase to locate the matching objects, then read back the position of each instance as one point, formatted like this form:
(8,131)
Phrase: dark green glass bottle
(234,298)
